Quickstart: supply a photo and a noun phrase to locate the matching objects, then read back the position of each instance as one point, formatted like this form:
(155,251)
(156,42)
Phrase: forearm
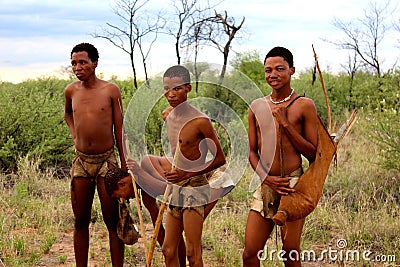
(257,166)
(120,147)
(69,119)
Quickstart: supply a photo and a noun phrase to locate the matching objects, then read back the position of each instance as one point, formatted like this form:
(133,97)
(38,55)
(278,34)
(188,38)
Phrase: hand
(177,175)
(133,166)
(279,114)
(279,184)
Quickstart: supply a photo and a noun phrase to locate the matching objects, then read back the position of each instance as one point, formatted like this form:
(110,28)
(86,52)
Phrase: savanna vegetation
(361,197)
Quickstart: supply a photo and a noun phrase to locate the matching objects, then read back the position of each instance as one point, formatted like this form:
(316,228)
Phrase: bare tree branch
(131,33)
(366,35)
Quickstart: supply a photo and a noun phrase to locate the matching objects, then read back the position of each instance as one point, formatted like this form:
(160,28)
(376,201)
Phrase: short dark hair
(112,177)
(279,51)
(89,48)
(178,71)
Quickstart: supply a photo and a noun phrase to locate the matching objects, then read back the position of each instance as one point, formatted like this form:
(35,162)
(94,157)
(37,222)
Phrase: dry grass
(360,204)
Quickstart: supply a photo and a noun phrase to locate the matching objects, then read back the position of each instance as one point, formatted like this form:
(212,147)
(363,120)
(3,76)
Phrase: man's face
(125,188)
(82,65)
(175,90)
(277,72)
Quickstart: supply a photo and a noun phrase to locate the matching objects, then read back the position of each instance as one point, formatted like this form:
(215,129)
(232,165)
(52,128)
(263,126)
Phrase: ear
(188,88)
(95,64)
(292,70)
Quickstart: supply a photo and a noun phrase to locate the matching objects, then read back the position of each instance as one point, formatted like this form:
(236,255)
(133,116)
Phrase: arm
(305,141)
(118,123)
(279,184)
(68,111)
(212,144)
(253,154)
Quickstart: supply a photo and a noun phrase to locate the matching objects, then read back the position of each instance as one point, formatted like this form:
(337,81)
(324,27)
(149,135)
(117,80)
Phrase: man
(191,136)
(294,120)
(93,113)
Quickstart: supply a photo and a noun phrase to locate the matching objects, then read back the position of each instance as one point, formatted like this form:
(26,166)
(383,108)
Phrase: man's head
(118,183)
(281,52)
(91,51)
(278,68)
(84,60)
(176,81)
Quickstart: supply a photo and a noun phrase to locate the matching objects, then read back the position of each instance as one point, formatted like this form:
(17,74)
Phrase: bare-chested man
(295,125)
(93,112)
(191,136)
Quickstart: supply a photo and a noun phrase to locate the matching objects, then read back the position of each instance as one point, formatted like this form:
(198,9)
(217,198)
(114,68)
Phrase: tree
(226,25)
(187,13)
(365,37)
(131,33)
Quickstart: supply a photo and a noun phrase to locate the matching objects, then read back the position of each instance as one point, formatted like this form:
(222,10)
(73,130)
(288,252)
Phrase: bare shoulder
(306,103)
(70,88)
(111,87)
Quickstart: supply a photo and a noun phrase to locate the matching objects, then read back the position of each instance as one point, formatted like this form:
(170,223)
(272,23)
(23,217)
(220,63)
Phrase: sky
(36,37)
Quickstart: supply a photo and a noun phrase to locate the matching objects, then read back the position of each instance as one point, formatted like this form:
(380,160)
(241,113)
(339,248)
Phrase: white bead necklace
(283,100)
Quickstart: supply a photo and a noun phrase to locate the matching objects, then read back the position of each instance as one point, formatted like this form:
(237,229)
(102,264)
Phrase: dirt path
(61,253)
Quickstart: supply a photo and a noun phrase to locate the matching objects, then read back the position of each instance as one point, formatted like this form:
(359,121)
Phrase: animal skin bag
(126,229)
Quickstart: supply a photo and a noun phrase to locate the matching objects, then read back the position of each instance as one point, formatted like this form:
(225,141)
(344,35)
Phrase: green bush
(32,122)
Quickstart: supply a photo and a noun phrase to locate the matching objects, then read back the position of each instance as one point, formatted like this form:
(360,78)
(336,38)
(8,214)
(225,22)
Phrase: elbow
(222,162)
(312,156)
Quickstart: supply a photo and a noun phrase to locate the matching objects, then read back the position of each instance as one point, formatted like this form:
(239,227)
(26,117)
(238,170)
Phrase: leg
(291,235)
(173,233)
(155,167)
(257,232)
(109,208)
(193,227)
(209,207)
(82,192)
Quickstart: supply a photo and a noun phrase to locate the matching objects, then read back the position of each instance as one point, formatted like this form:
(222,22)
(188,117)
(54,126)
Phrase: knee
(249,256)
(193,254)
(111,219)
(111,223)
(292,255)
(168,252)
(81,223)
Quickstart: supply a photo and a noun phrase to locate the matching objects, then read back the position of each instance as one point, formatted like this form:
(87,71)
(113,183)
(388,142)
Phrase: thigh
(173,232)
(193,227)
(82,192)
(291,234)
(258,230)
(109,205)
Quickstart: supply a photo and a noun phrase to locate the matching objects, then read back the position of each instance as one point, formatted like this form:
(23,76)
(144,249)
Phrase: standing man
(93,112)
(294,120)
(191,136)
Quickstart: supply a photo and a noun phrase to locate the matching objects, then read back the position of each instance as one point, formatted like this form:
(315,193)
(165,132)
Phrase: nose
(170,94)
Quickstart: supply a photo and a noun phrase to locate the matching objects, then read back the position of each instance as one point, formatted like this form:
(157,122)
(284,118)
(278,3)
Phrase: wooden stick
(161,213)
(157,225)
(138,206)
(325,93)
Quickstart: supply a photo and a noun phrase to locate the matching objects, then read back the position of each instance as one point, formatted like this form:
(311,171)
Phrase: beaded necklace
(283,100)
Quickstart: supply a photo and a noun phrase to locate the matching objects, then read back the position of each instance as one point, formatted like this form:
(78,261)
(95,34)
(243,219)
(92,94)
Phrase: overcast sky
(36,37)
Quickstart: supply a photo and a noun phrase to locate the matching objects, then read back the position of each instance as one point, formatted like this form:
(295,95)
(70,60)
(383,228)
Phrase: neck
(281,96)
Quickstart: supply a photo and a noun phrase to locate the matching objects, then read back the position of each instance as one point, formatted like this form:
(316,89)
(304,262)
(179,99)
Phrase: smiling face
(175,90)
(278,72)
(82,66)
